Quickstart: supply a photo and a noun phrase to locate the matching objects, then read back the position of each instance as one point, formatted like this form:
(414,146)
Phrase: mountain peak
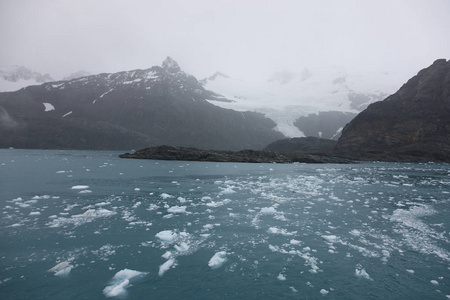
(170,65)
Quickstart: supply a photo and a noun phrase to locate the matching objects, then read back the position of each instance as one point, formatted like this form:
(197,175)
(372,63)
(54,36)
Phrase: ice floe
(80,219)
(61,269)
(218,260)
(121,281)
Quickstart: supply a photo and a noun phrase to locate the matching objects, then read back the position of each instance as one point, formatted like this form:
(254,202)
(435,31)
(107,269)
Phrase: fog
(244,39)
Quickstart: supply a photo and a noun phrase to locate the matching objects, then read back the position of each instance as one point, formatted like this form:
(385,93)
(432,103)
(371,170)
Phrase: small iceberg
(61,269)
(121,281)
(217,260)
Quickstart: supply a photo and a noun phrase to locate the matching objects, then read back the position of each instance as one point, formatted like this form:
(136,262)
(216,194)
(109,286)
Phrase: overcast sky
(242,38)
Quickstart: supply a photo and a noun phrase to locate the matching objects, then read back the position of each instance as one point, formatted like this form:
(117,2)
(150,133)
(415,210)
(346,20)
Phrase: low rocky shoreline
(244,156)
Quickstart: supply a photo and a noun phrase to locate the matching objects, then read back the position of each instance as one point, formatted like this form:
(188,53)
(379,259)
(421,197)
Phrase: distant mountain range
(16,77)
(13,78)
(126,110)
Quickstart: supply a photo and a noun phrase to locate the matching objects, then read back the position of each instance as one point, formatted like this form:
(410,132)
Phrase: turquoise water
(88,225)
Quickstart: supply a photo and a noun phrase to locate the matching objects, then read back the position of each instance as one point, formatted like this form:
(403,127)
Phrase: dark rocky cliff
(411,125)
(303,145)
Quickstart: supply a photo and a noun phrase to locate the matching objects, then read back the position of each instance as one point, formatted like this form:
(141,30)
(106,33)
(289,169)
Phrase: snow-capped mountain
(288,96)
(133,109)
(76,75)
(16,77)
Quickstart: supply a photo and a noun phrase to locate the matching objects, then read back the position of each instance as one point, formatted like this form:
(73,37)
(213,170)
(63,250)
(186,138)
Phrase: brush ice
(218,260)
(268,210)
(167,236)
(360,272)
(86,217)
(121,281)
(177,209)
(61,269)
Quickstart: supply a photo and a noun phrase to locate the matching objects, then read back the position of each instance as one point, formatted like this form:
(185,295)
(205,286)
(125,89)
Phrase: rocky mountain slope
(302,145)
(411,125)
(128,110)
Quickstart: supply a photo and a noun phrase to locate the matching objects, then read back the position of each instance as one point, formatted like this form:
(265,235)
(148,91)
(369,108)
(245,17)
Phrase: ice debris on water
(361,272)
(167,236)
(79,187)
(121,281)
(218,260)
(166,266)
(61,269)
(86,217)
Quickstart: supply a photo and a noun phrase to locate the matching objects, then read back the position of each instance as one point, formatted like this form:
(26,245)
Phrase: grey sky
(242,38)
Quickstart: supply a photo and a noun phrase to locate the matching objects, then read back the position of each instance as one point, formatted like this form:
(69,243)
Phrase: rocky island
(243,156)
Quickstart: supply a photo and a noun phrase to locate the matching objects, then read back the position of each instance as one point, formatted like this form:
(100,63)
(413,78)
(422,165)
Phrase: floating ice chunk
(80,187)
(165,196)
(355,232)
(35,213)
(61,269)
(183,247)
(294,242)
(435,282)
(153,207)
(121,281)
(281,277)
(228,190)
(281,231)
(330,238)
(137,189)
(410,271)
(65,271)
(77,220)
(177,209)
(268,210)
(85,192)
(324,292)
(166,266)
(167,236)
(360,272)
(217,260)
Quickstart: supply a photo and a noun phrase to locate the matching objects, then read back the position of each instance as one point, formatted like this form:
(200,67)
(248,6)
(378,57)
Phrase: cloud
(241,38)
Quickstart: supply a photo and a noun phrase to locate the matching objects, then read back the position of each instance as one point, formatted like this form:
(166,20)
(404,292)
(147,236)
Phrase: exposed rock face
(128,110)
(410,125)
(304,145)
(244,156)
(324,124)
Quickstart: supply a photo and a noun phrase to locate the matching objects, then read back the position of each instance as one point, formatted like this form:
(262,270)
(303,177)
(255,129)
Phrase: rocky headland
(243,156)
(411,125)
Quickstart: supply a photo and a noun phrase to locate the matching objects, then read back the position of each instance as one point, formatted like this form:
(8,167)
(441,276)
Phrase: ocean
(89,225)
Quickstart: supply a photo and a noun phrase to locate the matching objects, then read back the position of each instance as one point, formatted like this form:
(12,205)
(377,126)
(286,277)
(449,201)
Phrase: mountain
(17,77)
(302,145)
(411,125)
(126,110)
(307,103)
(76,75)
